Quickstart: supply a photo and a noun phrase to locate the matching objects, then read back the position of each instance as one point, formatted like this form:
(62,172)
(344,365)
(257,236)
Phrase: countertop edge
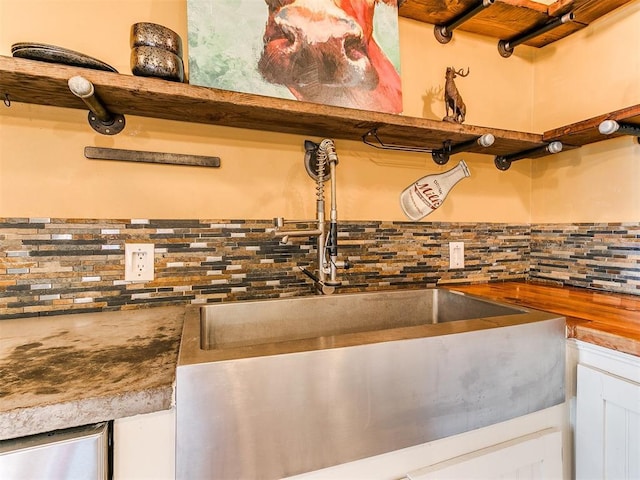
(46,418)
(591,334)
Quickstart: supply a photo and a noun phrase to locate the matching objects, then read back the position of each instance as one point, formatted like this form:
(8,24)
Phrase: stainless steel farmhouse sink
(272,388)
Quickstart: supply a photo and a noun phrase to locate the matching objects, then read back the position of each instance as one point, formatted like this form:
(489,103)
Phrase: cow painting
(324,52)
(321,51)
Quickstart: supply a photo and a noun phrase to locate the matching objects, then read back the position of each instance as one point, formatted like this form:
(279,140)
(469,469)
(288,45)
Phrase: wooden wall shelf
(42,83)
(506,19)
(586,131)
(29,81)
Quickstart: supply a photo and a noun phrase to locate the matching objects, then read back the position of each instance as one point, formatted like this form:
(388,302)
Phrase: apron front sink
(273,388)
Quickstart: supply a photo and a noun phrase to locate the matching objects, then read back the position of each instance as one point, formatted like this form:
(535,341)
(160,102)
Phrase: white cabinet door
(607,426)
(532,457)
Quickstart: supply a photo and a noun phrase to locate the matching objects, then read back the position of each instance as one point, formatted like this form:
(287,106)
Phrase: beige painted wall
(592,72)
(43,171)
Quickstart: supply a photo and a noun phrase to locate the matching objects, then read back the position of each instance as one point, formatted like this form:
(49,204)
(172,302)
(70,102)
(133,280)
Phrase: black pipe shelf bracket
(444,32)
(609,127)
(505,47)
(442,155)
(439,155)
(503,162)
(101,120)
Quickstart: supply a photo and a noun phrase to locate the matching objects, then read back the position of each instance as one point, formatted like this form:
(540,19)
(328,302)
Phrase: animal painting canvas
(334,52)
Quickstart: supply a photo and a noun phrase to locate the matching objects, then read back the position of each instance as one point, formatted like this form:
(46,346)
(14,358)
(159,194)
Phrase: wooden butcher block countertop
(607,319)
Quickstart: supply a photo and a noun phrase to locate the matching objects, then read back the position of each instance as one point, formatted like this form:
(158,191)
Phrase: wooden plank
(507,19)
(586,131)
(501,20)
(46,84)
(99,153)
(586,11)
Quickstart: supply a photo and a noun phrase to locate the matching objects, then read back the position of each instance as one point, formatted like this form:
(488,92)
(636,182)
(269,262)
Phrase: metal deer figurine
(452,99)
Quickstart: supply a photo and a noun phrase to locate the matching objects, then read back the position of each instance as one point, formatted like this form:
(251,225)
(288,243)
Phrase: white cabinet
(607,436)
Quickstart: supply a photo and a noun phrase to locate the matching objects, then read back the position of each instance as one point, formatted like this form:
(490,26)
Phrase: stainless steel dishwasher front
(77,453)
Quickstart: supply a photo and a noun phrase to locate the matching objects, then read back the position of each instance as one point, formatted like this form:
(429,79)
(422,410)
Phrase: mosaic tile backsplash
(602,256)
(50,266)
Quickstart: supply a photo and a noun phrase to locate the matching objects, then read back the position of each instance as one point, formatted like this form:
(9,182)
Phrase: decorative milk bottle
(424,196)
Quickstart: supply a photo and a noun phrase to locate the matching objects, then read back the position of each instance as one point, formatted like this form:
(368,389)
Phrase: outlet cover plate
(456,255)
(138,262)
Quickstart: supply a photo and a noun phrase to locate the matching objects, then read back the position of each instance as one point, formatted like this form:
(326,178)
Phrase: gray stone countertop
(70,370)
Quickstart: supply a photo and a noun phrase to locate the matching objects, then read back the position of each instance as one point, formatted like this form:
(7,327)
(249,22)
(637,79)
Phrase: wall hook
(100,119)
(505,47)
(444,32)
(608,127)
(442,156)
(503,162)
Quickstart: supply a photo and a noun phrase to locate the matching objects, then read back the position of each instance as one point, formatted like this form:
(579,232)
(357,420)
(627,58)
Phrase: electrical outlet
(138,262)
(456,255)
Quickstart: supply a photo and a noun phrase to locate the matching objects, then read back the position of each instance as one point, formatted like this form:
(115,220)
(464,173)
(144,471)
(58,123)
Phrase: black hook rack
(444,32)
(505,47)
(503,162)
(439,155)
(609,127)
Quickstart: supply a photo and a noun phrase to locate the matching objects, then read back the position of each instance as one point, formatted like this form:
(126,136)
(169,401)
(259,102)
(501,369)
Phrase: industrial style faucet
(317,156)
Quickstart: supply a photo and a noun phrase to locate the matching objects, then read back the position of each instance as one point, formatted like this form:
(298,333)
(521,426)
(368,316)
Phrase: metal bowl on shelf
(156,62)
(147,34)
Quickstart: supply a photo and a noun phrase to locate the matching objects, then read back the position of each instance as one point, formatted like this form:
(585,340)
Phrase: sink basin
(239,324)
(273,388)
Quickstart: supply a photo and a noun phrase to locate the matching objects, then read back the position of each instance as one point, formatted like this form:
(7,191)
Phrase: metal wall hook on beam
(101,120)
(609,127)
(503,162)
(444,32)
(505,47)
(441,156)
